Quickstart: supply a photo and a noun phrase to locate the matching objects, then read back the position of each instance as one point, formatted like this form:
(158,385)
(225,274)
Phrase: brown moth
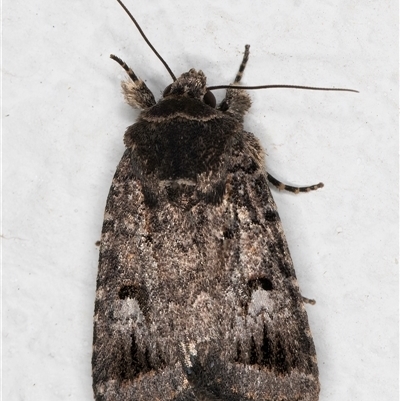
(197,297)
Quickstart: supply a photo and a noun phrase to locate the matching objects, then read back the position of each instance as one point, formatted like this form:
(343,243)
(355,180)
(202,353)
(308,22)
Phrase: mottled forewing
(200,302)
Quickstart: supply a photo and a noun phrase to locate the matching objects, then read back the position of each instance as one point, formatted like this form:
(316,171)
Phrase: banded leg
(128,70)
(136,92)
(237,102)
(242,65)
(296,190)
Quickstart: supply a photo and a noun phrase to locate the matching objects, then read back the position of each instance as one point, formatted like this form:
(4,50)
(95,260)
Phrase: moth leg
(296,190)
(308,301)
(136,92)
(242,65)
(237,101)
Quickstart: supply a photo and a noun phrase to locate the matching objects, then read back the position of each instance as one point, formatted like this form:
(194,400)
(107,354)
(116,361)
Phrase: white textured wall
(63,123)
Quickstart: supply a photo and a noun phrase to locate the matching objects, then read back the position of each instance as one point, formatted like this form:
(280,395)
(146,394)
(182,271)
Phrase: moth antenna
(313,88)
(147,40)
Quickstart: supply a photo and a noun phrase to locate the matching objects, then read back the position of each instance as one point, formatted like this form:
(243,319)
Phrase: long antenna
(147,40)
(313,88)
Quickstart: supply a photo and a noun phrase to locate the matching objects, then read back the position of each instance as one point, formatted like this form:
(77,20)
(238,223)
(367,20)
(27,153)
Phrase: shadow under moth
(197,297)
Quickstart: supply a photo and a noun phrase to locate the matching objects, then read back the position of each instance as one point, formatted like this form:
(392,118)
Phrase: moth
(197,297)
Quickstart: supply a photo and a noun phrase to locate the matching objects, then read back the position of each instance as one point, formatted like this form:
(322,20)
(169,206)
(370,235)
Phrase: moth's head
(191,84)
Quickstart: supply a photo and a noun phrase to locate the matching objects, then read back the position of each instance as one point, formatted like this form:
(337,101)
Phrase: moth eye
(209,99)
(166,90)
